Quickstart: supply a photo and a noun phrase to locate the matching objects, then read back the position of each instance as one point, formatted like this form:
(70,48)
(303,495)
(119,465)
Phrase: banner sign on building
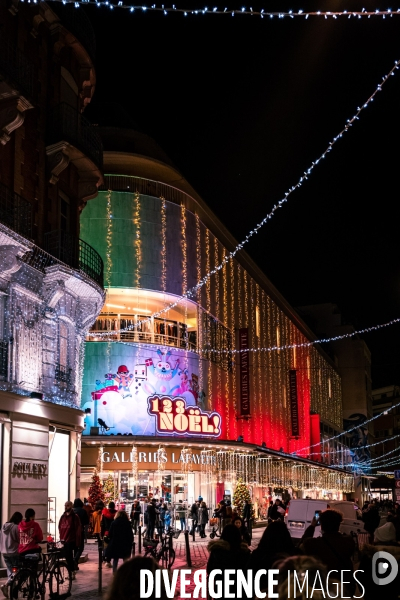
(174,417)
(244,369)
(294,406)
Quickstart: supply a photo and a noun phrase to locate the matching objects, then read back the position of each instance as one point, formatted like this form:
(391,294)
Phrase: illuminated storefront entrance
(186,468)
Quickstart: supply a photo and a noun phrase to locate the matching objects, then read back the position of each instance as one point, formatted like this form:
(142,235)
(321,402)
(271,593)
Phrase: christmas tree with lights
(240,495)
(95,490)
(109,489)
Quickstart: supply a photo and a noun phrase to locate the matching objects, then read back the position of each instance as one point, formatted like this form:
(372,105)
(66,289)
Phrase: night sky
(243,106)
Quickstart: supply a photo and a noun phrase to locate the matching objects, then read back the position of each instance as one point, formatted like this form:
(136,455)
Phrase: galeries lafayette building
(183,468)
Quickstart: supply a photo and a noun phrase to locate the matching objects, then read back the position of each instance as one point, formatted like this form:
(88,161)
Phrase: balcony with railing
(15,212)
(78,23)
(155,331)
(72,251)
(64,123)
(16,68)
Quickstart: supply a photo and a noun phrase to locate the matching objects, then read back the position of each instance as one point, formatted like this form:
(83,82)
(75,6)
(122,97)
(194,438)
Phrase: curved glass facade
(154,250)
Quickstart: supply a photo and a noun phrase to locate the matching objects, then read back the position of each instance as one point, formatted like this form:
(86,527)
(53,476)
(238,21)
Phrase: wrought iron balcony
(63,374)
(3,359)
(65,123)
(75,253)
(15,211)
(17,68)
(78,23)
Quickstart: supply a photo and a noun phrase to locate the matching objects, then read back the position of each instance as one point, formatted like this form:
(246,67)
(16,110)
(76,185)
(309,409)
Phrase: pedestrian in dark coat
(194,515)
(70,531)
(135,515)
(371,518)
(84,519)
(275,544)
(120,539)
(203,518)
(152,513)
(107,517)
(229,552)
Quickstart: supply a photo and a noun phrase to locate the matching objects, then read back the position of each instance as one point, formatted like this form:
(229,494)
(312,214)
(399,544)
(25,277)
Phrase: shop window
(63,370)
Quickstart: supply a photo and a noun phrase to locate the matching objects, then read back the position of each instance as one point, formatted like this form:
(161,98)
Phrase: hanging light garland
(335,338)
(350,122)
(163,245)
(135,467)
(232,12)
(138,241)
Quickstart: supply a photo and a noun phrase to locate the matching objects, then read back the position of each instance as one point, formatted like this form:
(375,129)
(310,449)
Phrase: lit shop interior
(186,469)
(129,309)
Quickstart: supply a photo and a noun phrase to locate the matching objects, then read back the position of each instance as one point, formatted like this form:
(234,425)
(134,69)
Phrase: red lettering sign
(175,418)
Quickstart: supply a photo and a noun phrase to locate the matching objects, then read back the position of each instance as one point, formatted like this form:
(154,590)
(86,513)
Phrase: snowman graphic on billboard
(121,400)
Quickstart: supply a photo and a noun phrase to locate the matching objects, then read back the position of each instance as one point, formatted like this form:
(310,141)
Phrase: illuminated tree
(240,495)
(95,490)
(109,489)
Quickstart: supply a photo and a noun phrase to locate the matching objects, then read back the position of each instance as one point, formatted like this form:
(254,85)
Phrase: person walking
(70,531)
(107,517)
(135,515)
(163,515)
(30,534)
(238,522)
(203,518)
(79,510)
(96,518)
(194,515)
(9,542)
(181,513)
(168,516)
(120,538)
(152,518)
(277,511)
(220,513)
(89,510)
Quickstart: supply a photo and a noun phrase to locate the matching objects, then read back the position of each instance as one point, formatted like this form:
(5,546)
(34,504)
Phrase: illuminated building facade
(51,281)
(152,348)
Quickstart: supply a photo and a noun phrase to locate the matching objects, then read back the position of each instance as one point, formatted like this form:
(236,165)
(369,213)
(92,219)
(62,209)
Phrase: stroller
(215,528)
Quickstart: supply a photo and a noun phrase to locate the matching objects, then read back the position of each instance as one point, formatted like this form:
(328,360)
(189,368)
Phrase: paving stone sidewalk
(85,587)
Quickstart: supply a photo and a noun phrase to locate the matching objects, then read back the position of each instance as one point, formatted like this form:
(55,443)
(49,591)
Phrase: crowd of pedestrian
(331,552)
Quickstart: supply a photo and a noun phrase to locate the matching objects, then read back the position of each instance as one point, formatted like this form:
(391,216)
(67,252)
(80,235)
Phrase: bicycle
(28,580)
(166,553)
